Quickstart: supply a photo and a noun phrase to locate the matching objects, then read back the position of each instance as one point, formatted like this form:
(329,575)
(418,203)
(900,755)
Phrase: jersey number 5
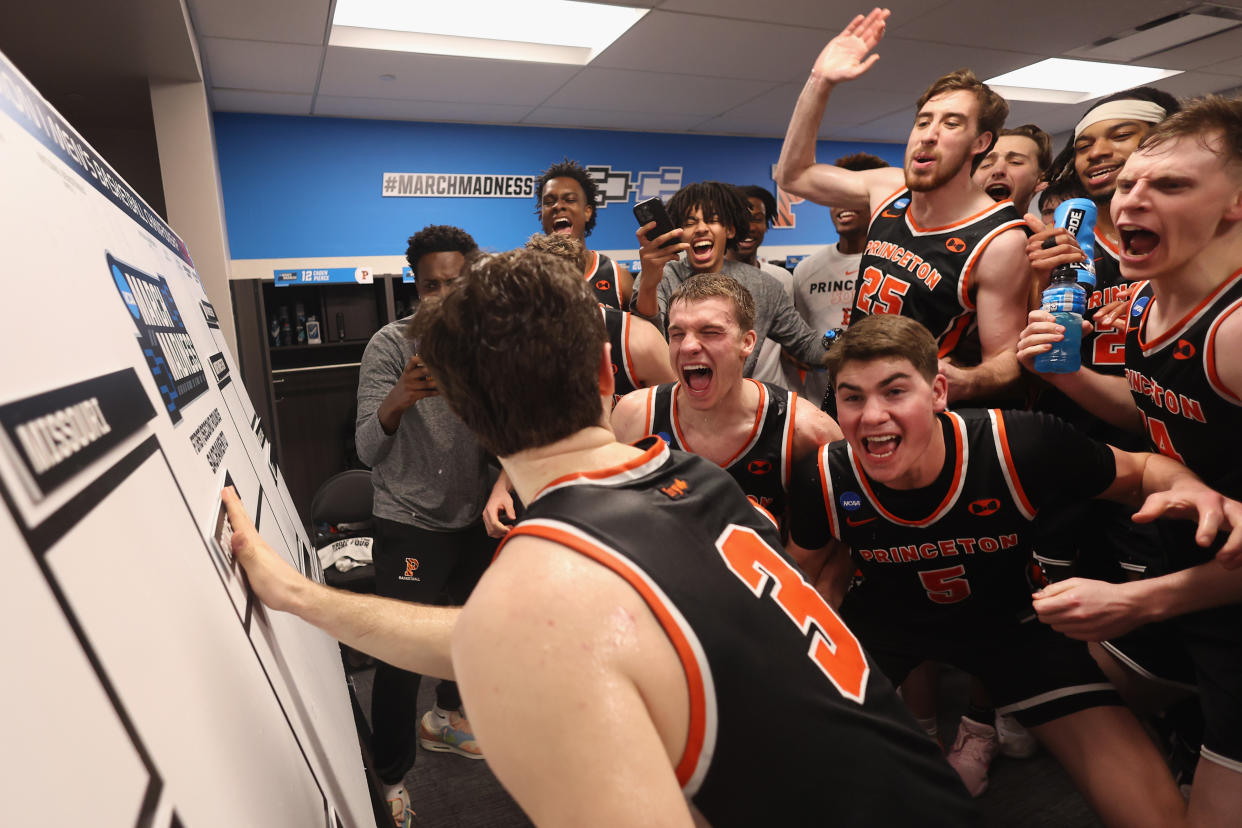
(886,292)
(834,649)
(946,586)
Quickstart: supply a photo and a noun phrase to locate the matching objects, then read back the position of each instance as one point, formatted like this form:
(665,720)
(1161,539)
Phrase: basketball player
(639,357)
(1178,212)
(938,249)
(824,281)
(566,198)
(936,507)
(1013,169)
(609,656)
(753,430)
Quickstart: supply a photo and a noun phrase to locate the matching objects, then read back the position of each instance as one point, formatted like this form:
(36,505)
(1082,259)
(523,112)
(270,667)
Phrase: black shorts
(1032,672)
(1202,652)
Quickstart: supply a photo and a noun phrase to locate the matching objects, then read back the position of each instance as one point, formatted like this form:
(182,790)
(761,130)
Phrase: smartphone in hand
(653,210)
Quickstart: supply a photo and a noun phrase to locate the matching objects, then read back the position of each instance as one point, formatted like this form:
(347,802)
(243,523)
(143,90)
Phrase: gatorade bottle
(1065,297)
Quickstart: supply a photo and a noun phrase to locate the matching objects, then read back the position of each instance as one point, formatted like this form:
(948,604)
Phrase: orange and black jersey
(925,272)
(958,548)
(736,608)
(618,324)
(1189,414)
(603,275)
(761,466)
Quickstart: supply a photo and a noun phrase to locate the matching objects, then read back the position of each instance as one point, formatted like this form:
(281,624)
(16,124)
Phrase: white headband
(1125,110)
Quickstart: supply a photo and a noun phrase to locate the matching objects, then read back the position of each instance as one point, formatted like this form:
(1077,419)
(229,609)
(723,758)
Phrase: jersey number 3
(834,649)
(885,292)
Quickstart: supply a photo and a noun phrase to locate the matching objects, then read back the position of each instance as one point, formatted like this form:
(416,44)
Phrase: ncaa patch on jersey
(850,501)
(901,204)
(1140,304)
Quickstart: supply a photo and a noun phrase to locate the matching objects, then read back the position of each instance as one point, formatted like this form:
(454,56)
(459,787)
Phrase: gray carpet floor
(448,791)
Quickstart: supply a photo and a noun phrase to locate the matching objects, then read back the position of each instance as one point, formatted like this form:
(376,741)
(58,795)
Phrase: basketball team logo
(411,566)
(955,245)
(1183,350)
(759,467)
(984,507)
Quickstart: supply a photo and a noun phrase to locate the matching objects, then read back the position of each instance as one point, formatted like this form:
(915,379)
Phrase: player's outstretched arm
(1001,296)
(629,417)
(846,56)
(573,689)
(411,636)
(1107,397)
(649,354)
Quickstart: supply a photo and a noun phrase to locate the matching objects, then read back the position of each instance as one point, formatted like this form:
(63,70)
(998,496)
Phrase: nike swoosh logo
(850,272)
(859,522)
(887,214)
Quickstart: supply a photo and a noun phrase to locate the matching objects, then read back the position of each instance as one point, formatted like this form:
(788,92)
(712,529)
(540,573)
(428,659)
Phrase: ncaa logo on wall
(615,186)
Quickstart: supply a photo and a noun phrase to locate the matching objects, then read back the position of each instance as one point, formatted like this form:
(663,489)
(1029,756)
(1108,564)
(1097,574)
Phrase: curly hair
(559,244)
(570,169)
(713,198)
(519,325)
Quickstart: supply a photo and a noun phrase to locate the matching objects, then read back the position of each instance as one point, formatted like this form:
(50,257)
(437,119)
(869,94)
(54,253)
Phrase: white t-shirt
(823,292)
(769,367)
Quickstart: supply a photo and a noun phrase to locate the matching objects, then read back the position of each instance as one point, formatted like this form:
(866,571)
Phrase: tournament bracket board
(146,685)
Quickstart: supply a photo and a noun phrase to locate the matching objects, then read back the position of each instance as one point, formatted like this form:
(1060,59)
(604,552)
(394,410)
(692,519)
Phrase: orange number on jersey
(946,586)
(1109,347)
(834,649)
(1160,438)
(871,283)
(889,298)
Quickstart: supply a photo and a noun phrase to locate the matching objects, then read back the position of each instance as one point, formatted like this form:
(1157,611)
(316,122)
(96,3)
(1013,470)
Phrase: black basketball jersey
(602,273)
(762,465)
(618,324)
(1105,350)
(756,641)
(1189,415)
(925,273)
(958,548)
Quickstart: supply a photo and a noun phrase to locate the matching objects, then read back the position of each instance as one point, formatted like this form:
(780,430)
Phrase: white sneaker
(399,803)
(1016,741)
(972,754)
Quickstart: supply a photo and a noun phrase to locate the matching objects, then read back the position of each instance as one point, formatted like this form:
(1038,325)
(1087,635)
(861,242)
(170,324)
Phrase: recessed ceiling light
(550,31)
(387,77)
(1058,80)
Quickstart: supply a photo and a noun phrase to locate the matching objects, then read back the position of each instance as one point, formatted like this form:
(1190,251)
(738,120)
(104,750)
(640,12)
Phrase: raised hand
(846,55)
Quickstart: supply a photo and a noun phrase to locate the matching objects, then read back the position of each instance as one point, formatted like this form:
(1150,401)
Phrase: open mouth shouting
(702,251)
(922,162)
(1137,243)
(881,446)
(999,190)
(562,224)
(697,377)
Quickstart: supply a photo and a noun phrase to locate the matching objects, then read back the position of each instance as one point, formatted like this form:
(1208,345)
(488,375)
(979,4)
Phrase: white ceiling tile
(698,45)
(625,90)
(1226,47)
(403,110)
(911,65)
(769,114)
(1048,28)
(1191,84)
(263,66)
(273,103)
(357,72)
(286,21)
(604,119)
